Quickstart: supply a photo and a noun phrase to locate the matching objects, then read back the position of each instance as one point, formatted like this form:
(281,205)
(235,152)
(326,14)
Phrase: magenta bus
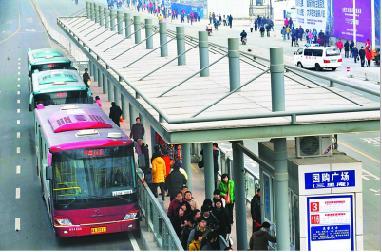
(87,171)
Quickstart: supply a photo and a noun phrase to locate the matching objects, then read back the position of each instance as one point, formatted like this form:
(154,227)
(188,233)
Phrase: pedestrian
(268,27)
(98,101)
(177,221)
(210,17)
(86,78)
(287,30)
(175,180)
(351,48)
(369,55)
(255,211)
(137,130)
(201,227)
(143,157)
(259,239)
(174,205)
(227,191)
(230,19)
(195,242)
(206,206)
(362,55)
(217,196)
(188,225)
(220,213)
(262,30)
(339,45)
(210,242)
(368,44)
(190,200)
(347,48)
(355,53)
(158,172)
(115,113)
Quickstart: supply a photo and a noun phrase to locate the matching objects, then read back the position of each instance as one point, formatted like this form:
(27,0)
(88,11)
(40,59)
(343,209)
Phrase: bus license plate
(98,230)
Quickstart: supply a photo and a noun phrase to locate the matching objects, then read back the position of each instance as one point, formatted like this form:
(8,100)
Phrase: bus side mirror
(30,102)
(49,172)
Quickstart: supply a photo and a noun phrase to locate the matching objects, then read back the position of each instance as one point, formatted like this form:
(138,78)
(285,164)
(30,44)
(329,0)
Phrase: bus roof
(57,80)
(67,127)
(46,56)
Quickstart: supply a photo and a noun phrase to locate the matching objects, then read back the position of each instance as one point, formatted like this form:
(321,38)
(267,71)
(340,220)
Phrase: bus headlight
(130,216)
(63,221)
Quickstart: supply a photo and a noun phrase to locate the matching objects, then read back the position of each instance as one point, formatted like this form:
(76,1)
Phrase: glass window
(51,66)
(317,52)
(93,174)
(59,98)
(332,52)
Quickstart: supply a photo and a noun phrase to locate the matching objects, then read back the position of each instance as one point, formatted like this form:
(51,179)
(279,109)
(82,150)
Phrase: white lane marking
(18,73)
(19,59)
(18,169)
(366,174)
(18,193)
(18,150)
(18,85)
(18,79)
(18,134)
(134,243)
(18,92)
(18,101)
(373,190)
(19,63)
(18,111)
(18,121)
(18,67)
(17,224)
(376,141)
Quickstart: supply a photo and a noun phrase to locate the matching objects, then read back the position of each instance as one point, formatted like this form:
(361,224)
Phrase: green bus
(46,59)
(59,86)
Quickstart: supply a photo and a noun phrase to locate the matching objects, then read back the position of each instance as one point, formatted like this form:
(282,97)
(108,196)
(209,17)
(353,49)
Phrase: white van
(318,57)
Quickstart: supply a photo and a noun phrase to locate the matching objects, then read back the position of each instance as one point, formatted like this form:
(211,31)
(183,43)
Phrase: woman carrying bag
(227,191)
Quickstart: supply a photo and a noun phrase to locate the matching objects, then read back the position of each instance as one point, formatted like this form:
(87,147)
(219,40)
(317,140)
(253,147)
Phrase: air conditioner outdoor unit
(314,146)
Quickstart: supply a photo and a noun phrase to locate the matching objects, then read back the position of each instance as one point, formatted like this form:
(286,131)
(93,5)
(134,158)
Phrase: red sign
(314,206)
(94,152)
(315,219)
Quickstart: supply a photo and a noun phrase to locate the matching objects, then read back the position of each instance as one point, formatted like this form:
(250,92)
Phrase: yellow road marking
(359,152)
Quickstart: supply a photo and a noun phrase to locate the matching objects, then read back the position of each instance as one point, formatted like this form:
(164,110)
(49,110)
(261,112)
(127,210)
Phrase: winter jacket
(115,114)
(193,204)
(223,188)
(362,53)
(174,182)
(137,131)
(259,240)
(173,208)
(255,208)
(184,236)
(194,245)
(158,169)
(221,216)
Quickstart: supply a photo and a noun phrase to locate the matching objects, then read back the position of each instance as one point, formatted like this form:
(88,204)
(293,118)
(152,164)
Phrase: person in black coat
(115,113)
(137,130)
(143,157)
(362,55)
(256,211)
(355,54)
(347,48)
(216,163)
(175,180)
(220,213)
(86,77)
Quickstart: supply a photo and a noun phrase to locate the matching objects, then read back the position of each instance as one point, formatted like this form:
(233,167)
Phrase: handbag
(121,119)
(227,198)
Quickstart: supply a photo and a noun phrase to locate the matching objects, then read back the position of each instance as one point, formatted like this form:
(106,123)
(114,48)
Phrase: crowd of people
(364,54)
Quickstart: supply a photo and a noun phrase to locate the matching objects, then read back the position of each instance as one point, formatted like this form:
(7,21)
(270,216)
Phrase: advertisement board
(311,14)
(343,19)
(330,223)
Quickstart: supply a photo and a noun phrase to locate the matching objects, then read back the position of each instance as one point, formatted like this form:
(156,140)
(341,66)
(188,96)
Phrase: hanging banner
(311,14)
(330,223)
(343,19)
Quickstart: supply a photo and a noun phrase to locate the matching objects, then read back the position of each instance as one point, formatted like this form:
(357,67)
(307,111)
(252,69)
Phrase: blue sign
(332,232)
(329,179)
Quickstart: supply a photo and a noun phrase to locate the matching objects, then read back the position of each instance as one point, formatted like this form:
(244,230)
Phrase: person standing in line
(143,156)
(115,113)
(351,48)
(215,150)
(158,173)
(347,48)
(98,101)
(86,77)
(227,191)
(137,130)
(362,55)
(369,55)
(339,45)
(259,239)
(355,53)
(256,211)
(230,19)
(175,180)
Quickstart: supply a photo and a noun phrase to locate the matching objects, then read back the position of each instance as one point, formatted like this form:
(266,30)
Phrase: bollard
(101,15)
(120,22)
(107,17)
(180,45)
(203,53)
(234,63)
(127,21)
(112,20)
(148,33)
(137,29)
(163,39)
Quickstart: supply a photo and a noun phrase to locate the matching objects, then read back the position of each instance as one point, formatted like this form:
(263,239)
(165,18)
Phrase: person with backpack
(259,239)
(115,113)
(175,180)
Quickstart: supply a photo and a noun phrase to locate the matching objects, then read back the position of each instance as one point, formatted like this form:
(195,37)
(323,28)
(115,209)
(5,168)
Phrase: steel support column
(112,20)
(99,74)
(208,162)
(87,9)
(186,154)
(180,45)
(127,21)
(120,22)
(163,39)
(104,83)
(96,13)
(137,29)
(101,15)
(148,33)
(240,199)
(234,63)
(203,53)
(92,11)
(107,17)
(280,151)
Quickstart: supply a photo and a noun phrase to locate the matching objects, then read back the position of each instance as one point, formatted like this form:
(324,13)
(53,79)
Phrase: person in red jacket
(369,55)
(339,45)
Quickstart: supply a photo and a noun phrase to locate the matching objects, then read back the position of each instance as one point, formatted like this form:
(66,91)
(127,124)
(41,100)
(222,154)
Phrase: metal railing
(156,219)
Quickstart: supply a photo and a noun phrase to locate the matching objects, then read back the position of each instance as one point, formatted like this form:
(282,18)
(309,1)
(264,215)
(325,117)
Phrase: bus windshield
(64,97)
(92,174)
(50,66)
